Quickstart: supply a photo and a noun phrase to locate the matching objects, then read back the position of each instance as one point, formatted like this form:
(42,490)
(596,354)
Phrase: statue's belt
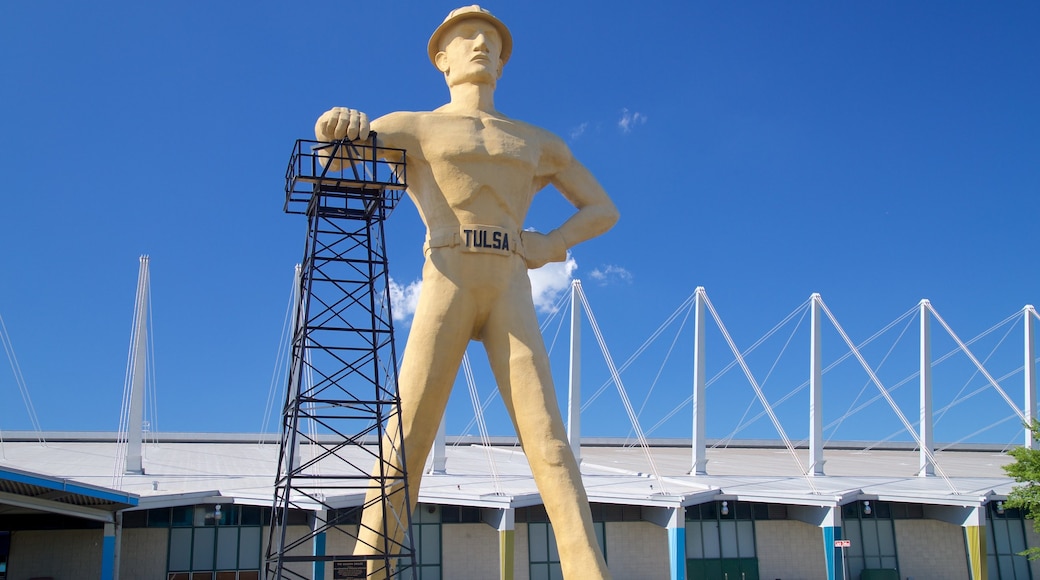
(476,238)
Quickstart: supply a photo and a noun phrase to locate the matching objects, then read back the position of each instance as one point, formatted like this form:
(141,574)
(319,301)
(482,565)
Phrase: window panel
(853,535)
(711,540)
(601,534)
(251,516)
(856,566)
(746,539)
(886,538)
(1007,566)
(870,538)
(539,572)
(249,548)
(158,518)
(227,548)
(539,544)
(555,572)
(694,545)
(180,549)
(728,539)
(1017,536)
(1021,564)
(202,549)
(431,544)
(554,554)
(1003,542)
(182,516)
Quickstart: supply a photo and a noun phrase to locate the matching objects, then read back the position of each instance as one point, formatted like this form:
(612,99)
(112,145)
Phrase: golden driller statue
(472,173)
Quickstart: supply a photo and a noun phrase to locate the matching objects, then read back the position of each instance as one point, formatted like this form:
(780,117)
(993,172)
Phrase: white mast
(135,435)
(574,390)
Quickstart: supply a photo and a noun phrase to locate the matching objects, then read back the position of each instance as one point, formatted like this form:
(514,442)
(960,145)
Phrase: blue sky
(877,153)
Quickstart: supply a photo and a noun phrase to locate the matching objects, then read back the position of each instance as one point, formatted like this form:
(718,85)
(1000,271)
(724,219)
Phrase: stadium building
(193,506)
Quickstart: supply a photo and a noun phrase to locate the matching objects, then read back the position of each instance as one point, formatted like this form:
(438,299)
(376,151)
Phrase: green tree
(1026,470)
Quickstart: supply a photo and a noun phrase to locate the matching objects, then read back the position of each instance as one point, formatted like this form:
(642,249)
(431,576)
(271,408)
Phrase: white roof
(183,469)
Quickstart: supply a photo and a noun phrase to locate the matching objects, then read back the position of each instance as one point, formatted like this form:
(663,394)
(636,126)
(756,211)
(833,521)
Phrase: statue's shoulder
(401,129)
(399,121)
(550,143)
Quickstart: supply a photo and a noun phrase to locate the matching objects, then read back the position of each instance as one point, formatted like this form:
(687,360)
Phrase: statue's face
(472,53)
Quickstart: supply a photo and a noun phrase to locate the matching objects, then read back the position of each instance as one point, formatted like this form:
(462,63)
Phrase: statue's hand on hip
(540,249)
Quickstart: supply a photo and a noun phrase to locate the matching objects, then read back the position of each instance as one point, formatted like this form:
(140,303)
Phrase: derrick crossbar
(342,387)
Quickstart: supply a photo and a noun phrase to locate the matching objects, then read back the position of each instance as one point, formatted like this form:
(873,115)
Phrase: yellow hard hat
(463,13)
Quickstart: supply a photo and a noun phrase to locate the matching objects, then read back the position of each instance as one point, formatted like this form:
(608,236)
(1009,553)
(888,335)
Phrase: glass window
(542,553)
(1005,538)
(5,550)
(207,543)
(720,539)
(426,539)
(868,525)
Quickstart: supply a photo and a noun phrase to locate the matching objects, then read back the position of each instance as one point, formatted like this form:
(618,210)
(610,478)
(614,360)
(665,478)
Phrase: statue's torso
(472,168)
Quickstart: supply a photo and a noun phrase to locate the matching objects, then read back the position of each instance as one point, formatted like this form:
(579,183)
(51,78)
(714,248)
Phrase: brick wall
(636,550)
(57,554)
(930,549)
(789,549)
(143,553)
(470,551)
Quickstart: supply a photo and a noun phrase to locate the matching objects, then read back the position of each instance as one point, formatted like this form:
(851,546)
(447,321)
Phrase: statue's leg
(521,367)
(440,332)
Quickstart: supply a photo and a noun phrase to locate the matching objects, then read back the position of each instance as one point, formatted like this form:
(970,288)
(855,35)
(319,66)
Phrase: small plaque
(348,570)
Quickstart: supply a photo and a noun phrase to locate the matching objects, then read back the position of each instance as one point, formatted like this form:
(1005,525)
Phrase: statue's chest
(489,141)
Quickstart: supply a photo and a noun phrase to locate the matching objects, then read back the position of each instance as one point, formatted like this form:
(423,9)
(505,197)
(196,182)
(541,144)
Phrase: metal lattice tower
(342,391)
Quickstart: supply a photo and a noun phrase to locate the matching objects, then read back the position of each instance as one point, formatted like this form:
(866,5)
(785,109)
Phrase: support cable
(761,395)
(554,312)
(281,368)
(715,378)
(913,376)
(660,370)
(776,361)
(639,351)
(863,389)
(977,364)
(19,380)
(888,397)
(976,373)
(485,439)
(620,387)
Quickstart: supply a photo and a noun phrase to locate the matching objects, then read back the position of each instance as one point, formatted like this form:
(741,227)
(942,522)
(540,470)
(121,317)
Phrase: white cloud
(403,299)
(549,281)
(629,120)
(611,274)
(579,130)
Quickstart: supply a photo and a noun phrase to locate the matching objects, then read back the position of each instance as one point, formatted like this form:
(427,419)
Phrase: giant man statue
(472,173)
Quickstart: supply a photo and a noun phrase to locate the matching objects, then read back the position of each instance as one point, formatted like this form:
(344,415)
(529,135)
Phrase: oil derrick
(342,387)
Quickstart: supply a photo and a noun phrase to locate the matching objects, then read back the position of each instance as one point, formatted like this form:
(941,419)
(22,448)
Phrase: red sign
(842,543)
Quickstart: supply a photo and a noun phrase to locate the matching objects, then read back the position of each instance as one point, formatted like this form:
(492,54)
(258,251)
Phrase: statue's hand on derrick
(341,123)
